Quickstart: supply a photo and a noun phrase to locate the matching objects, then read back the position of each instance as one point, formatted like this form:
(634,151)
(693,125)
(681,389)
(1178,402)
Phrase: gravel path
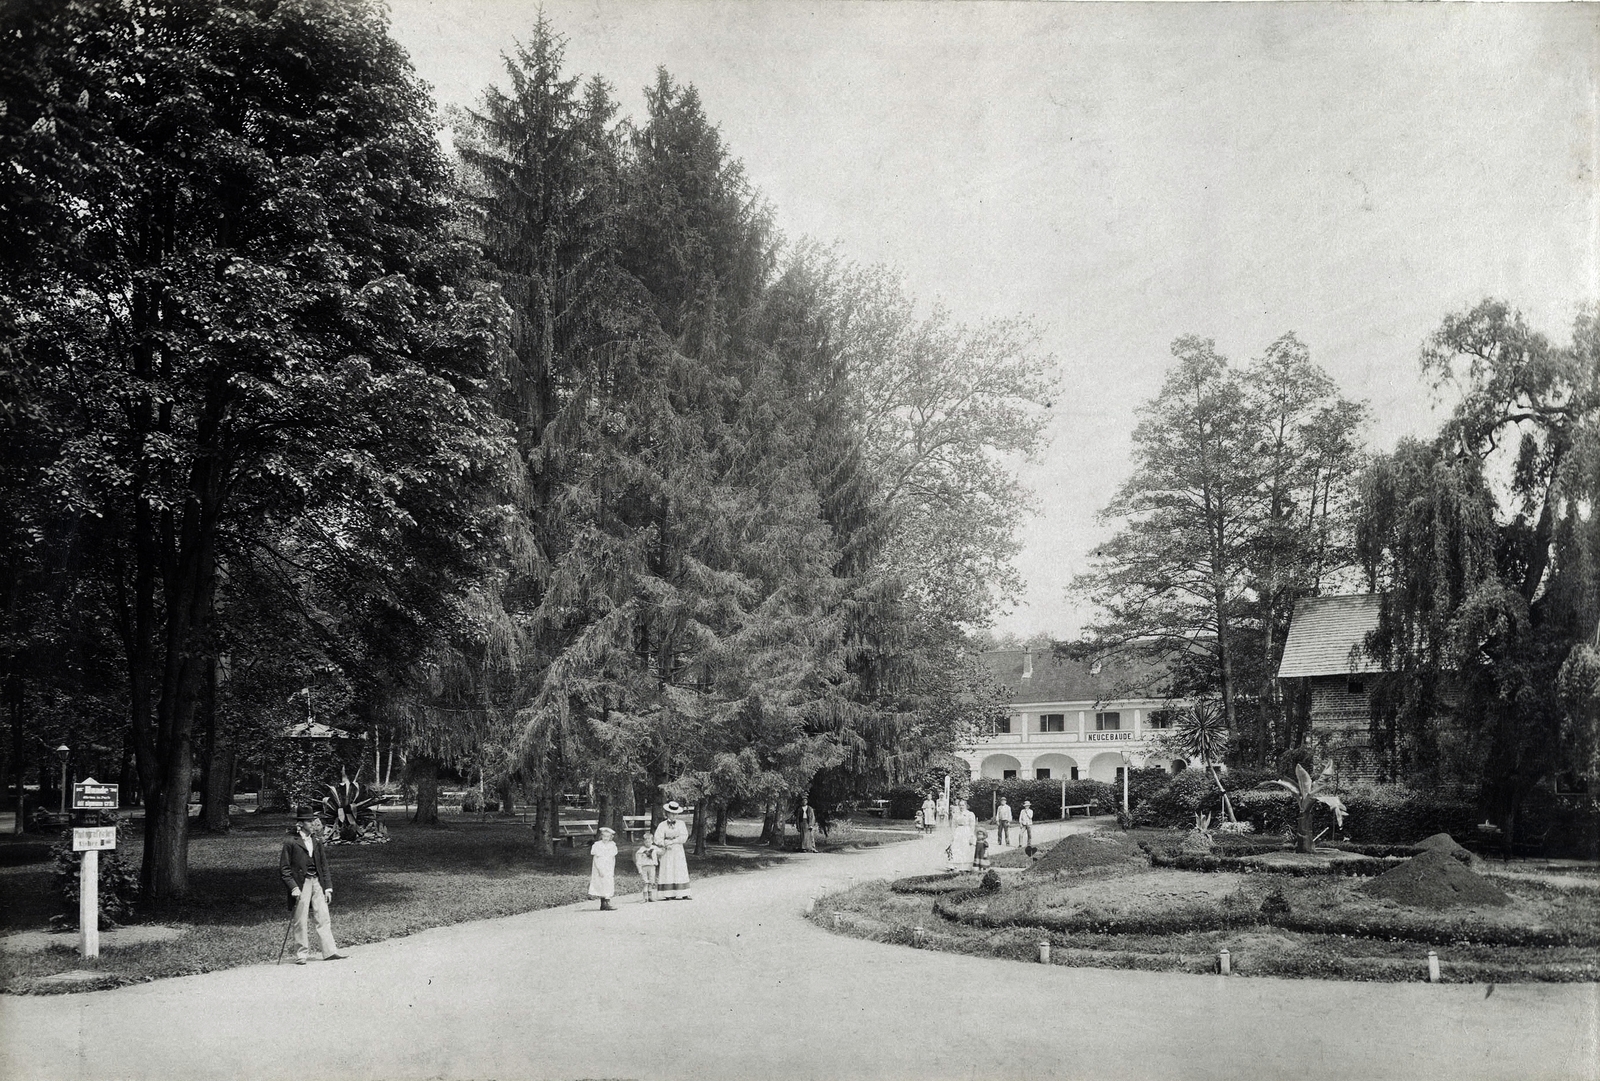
(736,984)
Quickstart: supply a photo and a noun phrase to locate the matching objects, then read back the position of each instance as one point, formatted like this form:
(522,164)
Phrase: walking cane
(286,929)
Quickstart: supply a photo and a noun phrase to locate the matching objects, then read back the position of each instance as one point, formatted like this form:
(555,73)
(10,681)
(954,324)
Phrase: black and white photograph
(799,540)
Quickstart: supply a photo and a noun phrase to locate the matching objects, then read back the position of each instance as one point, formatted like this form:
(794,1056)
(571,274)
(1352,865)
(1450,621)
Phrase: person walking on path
(603,868)
(1025,823)
(672,872)
(930,814)
(1002,822)
(644,860)
(805,820)
(303,866)
(963,839)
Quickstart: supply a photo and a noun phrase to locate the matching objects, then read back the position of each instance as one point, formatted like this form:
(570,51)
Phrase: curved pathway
(736,984)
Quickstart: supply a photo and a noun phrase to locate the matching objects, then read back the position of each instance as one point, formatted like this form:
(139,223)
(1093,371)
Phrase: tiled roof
(1327,636)
(1056,679)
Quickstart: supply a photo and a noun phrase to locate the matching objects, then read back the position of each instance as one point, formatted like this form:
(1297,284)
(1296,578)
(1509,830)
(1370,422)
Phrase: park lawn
(875,912)
(465,869)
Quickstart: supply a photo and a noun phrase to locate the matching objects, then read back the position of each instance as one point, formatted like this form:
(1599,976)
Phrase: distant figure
(930,814)
(944,807)
(1002,822)
(303,866)
(917,818)
(980,852)
(805,820)
(963,839)
(603,868)
(1025,822)
(644,859)
(672,872)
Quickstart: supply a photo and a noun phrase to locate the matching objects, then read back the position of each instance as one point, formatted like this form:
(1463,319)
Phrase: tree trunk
(700,826)
(216,775)
(507,787)
(603,809)
(425,772)
(777,838)
(722,823)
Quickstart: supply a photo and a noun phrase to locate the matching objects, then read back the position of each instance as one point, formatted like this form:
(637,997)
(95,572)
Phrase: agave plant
(349,811)
(1310,793)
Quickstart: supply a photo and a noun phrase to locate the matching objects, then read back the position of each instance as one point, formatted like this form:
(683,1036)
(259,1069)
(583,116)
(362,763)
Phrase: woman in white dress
(672,871)
(963,836)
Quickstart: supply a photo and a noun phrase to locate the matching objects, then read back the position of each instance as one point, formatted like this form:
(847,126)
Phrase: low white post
(1044,953)
(919,935)
(1433,967)
(89,904)
(1224,963)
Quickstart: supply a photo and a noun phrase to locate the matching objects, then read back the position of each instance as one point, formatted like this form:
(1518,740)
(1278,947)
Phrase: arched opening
(1055,767)
(1178,766)
(997,766)
(1104,767)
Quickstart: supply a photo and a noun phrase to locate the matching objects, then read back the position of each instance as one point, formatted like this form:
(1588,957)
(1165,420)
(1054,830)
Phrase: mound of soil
(1443,842)
(1434,880)
(1082,851)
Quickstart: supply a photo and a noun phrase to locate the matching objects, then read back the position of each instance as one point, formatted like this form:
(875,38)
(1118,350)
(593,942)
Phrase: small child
(645,858)
(980,852)
(603,868)
(919,822)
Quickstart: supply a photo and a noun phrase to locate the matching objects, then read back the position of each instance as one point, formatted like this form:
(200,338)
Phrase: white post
(89,904)
(1224,963)
(1433,967)
(1063,798)
(1125,766)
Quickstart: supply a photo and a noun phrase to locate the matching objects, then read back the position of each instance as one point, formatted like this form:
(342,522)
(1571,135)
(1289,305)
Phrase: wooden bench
(571,832)
(1086,808)
(636,824)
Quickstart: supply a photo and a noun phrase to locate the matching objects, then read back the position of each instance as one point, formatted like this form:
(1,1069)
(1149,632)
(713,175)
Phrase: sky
(1127,173)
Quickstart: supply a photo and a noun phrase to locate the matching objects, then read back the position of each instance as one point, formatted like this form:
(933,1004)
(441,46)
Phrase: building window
(1355,686)
(1041,775)
(1008,775)
(1074,773)
(1052,722)
(1108,722)
(1161,718)
(1003,726)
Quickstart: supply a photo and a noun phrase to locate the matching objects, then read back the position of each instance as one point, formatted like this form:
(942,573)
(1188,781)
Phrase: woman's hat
(673,807)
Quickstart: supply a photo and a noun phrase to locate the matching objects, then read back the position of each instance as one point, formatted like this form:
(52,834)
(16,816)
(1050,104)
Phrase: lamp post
(62,752)
(1127,764)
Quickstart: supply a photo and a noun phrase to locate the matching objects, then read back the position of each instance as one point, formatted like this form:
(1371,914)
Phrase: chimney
(1027,664)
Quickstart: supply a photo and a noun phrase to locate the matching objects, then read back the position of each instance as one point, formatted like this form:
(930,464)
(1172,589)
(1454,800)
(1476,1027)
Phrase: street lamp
(1127,764)
(62,752)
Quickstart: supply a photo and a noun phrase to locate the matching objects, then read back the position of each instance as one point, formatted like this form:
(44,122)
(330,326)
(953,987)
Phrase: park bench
(571,832)
(636,824)
(1086,808)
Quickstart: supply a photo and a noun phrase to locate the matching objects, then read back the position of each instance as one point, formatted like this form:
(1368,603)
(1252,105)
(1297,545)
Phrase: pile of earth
(1443,842)
(1434,880)
(1082,851)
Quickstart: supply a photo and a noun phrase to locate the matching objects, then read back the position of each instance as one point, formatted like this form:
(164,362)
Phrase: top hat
(673,807)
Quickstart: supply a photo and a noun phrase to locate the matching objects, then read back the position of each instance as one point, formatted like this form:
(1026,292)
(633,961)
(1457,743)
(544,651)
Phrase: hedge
(1365,867)
(1046,796)
(1225,914)
(933,884)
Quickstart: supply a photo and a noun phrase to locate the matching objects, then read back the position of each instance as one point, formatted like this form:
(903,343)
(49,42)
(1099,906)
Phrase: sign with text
(91,795)
(93,838)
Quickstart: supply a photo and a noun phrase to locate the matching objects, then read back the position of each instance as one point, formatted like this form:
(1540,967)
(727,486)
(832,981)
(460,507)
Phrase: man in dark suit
(303,866)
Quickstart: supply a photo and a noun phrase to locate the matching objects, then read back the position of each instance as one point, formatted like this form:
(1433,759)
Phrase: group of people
(969,846)
(659,859)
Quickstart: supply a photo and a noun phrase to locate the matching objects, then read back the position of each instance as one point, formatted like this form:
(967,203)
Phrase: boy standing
(644,858)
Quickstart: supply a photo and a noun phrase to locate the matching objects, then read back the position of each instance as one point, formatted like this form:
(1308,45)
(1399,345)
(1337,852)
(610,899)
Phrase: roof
(1327,636)
(317,730)
(1056,679)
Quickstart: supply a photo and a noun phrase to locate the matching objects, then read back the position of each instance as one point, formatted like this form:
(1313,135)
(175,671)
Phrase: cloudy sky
(1127,173)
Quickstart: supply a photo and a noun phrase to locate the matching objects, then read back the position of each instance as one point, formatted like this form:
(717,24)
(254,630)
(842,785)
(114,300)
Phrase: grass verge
(465,869)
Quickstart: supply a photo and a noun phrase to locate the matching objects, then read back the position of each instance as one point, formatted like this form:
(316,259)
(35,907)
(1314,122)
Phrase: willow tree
(1485,543)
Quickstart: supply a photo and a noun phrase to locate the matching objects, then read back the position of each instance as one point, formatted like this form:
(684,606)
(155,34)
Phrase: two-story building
(1072,720)
(1326,648)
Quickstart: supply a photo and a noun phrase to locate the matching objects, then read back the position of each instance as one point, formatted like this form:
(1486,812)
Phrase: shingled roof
(1056,679)
(1327,637)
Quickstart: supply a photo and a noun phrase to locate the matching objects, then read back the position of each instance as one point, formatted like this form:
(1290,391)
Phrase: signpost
(91,795)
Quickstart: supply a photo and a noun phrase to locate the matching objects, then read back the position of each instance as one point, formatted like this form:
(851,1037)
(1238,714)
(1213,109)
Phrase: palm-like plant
(1201,732)
(1310,793)
(350,811)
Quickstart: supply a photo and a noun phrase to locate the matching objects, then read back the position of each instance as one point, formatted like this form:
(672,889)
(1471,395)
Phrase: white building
(1074,720)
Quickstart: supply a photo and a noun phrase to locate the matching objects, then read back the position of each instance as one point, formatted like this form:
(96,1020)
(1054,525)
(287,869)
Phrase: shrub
(1176,803)
(470,803)
(1183,860)
(1272,811)
(1046,796)
(905,802)
(118,880)
(933,884)
(991,881)
(1235,910)
(1396,814)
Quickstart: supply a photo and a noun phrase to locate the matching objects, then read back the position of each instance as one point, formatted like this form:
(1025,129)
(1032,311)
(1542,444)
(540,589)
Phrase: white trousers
(312,902)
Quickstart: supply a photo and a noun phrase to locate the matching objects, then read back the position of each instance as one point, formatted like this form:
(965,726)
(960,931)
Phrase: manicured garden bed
(1098,909)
